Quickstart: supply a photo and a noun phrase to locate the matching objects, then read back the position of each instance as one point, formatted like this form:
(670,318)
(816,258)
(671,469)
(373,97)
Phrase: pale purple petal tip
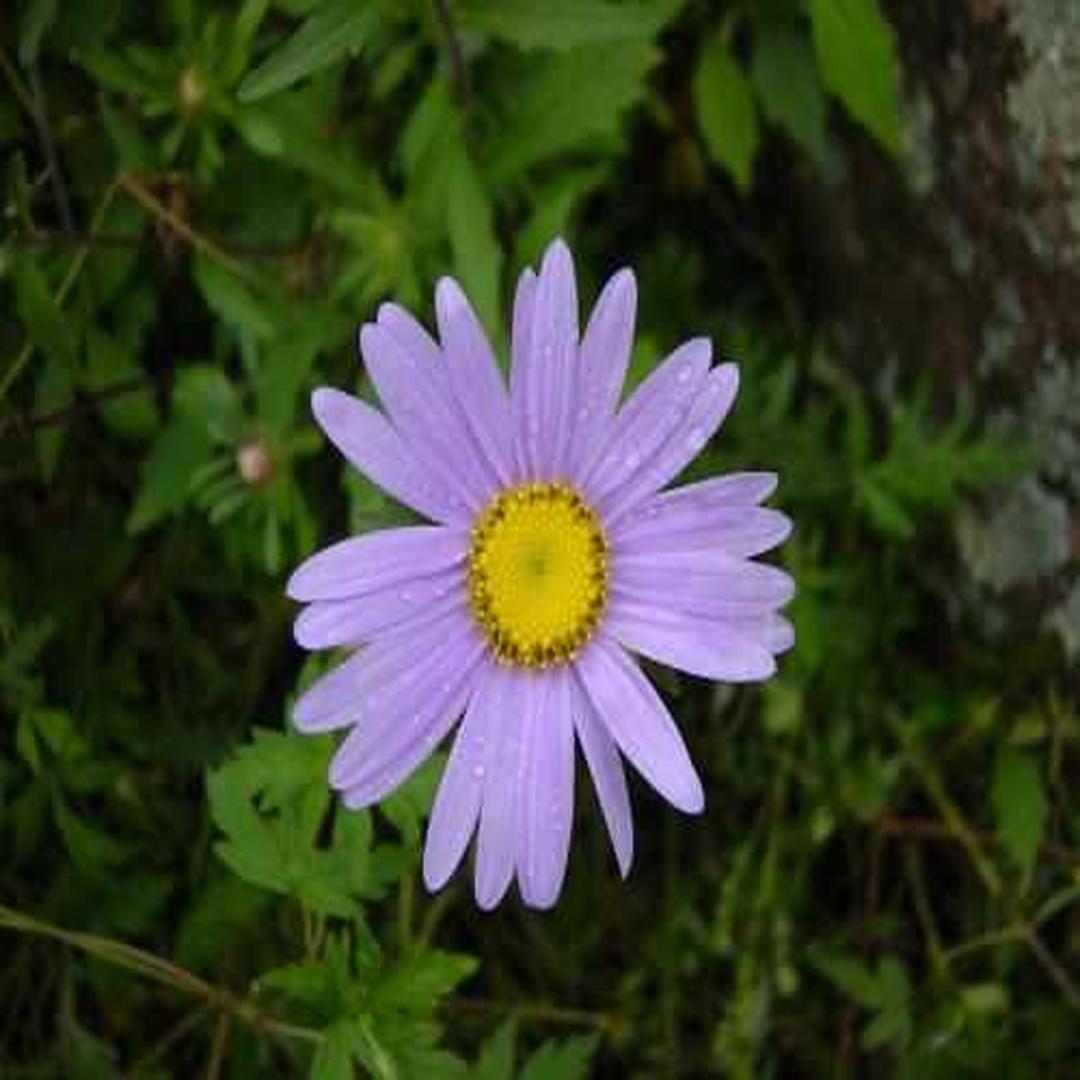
(640,723)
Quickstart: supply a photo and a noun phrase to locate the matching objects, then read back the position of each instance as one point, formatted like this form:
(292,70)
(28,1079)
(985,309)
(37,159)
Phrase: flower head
(553,557)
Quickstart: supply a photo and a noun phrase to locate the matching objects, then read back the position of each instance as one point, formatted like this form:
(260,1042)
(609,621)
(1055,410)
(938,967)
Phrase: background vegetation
(870,207)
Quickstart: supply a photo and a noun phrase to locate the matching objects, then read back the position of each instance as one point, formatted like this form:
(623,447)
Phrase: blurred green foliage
(202,200)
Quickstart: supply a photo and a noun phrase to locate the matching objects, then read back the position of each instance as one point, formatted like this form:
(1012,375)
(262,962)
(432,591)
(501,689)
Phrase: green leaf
(92,850)
(1018,793)
(37,21)
(885,992)
(886,513)
(45,324)
(335,28)
(204,394)
(602,82)
(231,300)
(408,805)
(851,975)
(478,258)
(113,373)
(563,24)
(892,1025)
(270,801)
(164,480)
(291,130)
(497,1056)
(333,1058)
(725,112)
(786,81)
(553,207)
(561,1059)
(53,393)
(85,1056)
(418,983)
(857,55)
(221,917)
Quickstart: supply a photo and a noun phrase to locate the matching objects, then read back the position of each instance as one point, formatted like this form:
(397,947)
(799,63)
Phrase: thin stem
(923,908)
(916,828)
(134,187)
(935,787)
(1052,968)
(1058,902)
(985,941)
(405,898)
(219,1046)
(77,263)
(17,87)
(55,238)
(433,917)
(163,1045)
(48,146)
(536,1012)
(154,967)
(459,69)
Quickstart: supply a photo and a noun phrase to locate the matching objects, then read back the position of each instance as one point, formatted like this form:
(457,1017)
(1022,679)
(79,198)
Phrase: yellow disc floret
(537,574)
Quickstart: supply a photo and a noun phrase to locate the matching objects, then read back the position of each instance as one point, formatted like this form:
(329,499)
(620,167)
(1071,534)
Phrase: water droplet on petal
(478,772)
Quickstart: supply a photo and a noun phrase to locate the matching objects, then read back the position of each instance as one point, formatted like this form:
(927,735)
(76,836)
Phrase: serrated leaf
(270,801)
(563,24)
(725,112)
(335,28)
(561,1059)
(786,81)
(602,82)
(417,983)
(1020,805)
(857,55)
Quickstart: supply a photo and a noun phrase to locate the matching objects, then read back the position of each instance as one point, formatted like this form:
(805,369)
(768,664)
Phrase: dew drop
(685,372)
(478,772)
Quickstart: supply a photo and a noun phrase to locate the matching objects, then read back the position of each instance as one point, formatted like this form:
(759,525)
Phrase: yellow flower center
(537,574)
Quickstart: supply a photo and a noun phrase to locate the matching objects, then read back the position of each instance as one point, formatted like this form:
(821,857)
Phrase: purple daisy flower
(554,556)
